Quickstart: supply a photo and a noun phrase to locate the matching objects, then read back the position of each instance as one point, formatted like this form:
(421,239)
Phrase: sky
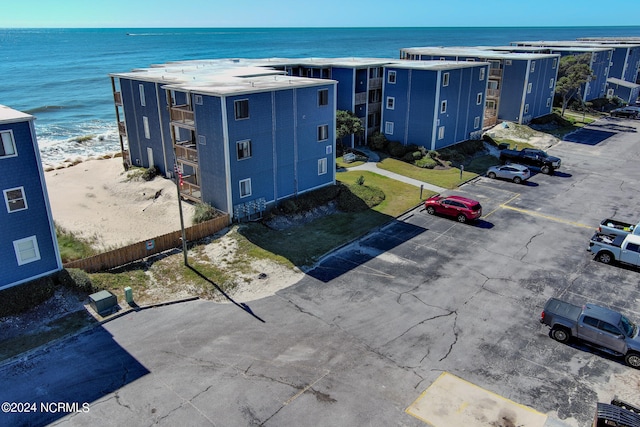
(315,13)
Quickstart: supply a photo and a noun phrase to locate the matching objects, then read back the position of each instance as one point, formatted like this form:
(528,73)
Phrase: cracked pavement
(365,333)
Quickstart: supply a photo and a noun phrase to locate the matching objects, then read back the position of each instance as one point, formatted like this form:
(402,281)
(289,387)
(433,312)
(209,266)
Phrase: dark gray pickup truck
(595,325)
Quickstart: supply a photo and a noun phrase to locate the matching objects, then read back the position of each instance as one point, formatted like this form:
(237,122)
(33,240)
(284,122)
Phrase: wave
(44,108)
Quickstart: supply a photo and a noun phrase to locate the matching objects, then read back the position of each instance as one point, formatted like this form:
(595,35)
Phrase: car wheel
(431,210)
(560,334)
(491,175)
(517,179)
(546,170)
(633,360)
(605,257)
(462,219)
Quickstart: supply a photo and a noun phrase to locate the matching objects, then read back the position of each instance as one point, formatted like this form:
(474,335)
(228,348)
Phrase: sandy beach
(96,200)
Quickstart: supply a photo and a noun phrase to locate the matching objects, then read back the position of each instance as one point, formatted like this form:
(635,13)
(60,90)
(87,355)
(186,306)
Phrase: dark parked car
(626,112)
(461,208)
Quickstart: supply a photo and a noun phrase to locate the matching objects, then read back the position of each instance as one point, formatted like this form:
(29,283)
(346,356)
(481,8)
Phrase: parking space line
(501,205)
(545,216)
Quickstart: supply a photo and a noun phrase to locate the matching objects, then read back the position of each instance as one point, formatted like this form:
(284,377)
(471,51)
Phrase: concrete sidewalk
(372,166)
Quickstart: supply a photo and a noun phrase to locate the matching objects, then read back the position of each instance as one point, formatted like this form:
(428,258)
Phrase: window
(323,132)
(529,87)
(526,108)
(26,250)
(507,62)
(143,100)
(323,97)
(145,124)
(198,99)
(608,327)
(14,198)
(241,109)
(443,107)
(548,102)
(322,166)
(328,149)
(590,321)
(476,122)
(555,63)
(388,128)
(482,72)
(551,83)
(245,187)
(244,149)
(445,79)
(479,98)
(202,140)
(8,147)
(391,102)
(441,132)
(391,78)
(633,247)
(533,66)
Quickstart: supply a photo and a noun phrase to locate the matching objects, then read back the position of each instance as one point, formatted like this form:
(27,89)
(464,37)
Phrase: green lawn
(305,244)
(446,178)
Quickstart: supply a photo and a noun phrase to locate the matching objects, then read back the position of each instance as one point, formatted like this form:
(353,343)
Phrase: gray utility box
(103,302)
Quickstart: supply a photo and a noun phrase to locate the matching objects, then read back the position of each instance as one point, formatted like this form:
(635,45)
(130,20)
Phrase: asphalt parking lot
(370,330)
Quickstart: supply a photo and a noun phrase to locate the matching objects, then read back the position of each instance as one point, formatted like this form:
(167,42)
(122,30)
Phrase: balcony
(187,151)
(495,72)
(182,115)
(493,93)
(122,129)
(190,189)
(374,107)
(375,83)
(361,98)
(117,98)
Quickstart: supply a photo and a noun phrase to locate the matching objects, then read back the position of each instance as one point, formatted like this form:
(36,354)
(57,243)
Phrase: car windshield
(627,326)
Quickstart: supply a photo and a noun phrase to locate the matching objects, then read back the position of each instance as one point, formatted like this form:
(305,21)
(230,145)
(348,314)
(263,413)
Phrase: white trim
(440,133)
(247,180)
(388,128)
(319,97)
(145,126)
(23,198)
(227,160)
(434,123)
(445,80)
(12,140)
(443,106)
(143,99)
(21,251)
(325,136)
(389,79)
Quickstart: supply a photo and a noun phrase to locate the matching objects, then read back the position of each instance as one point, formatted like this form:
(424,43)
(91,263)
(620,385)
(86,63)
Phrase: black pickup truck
(532,157)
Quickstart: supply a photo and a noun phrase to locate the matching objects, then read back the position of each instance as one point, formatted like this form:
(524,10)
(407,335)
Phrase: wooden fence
(137,251)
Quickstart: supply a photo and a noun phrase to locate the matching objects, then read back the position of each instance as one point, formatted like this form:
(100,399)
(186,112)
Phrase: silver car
(513,172)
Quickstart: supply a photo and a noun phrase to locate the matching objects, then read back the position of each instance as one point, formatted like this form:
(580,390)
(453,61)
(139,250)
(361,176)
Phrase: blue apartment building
(600,62)
(241,137)
(520,86)
(434,103)
(28,244)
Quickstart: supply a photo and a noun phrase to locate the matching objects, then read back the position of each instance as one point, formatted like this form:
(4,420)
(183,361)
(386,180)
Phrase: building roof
(576,47)
(9,115)
(436,65)
(485,52)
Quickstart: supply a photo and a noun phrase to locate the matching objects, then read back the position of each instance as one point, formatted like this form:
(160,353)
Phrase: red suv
(461,208)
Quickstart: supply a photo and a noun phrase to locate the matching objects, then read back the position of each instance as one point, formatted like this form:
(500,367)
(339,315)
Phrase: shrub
(426,162)
(203,212)
(360,180)
(21,298)
(433,154)
(396,149)
(76,279)
(378,142)
(150,173)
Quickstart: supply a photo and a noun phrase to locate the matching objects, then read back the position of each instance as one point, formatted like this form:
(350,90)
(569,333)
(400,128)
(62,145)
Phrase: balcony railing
(495,72)
(361,98)
(187,152)
(493,93)
(189,189)
(374,107)
(122,128)
(117,98)
(375,83)
(182,115)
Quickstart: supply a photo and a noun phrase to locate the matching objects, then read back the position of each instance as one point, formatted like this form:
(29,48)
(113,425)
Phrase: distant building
(434,103)
(242,137)
(600,59)
(28,244)
(520,86)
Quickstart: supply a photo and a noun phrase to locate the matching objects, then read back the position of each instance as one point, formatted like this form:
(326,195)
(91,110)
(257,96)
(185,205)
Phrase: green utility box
(103,302)
(128,295)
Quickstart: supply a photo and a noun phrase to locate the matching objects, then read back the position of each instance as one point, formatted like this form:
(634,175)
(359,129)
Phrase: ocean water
(61,76)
